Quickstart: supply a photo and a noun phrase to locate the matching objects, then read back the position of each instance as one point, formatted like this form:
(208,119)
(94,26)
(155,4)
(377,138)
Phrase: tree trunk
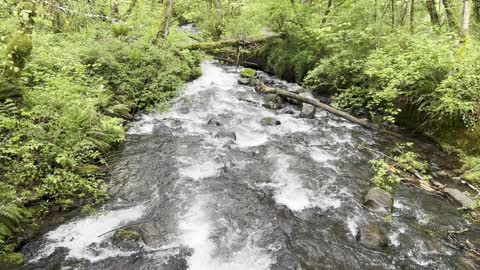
(405,11)
(452,22)
(465,27)
(115,9)
(392,5)
(166,16)
(432,10)
(131,6)
(412,17)
(268,90)
(329,8)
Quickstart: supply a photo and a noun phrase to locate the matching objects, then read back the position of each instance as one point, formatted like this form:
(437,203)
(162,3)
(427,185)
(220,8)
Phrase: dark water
(278,197)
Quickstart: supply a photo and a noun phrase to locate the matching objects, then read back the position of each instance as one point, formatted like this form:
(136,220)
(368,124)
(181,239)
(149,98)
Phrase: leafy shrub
(120,29)
(398,164)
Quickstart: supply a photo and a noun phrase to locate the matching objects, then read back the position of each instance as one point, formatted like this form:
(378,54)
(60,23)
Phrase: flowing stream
(209,187)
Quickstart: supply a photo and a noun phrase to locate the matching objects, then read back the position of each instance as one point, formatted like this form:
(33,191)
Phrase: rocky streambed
(230,179)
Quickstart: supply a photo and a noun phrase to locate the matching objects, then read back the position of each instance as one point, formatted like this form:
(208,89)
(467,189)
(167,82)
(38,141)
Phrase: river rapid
(208,187)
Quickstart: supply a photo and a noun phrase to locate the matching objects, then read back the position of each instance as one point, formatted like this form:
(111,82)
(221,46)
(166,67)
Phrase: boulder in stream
(372,236)
(459,197)
(308,111)
(379,200)
(270,121)
(244,81)
(248,73)
(126,239)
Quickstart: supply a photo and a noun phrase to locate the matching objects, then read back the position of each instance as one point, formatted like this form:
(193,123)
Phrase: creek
(208,186)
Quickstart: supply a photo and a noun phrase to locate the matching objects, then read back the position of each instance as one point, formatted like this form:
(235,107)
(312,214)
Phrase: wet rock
(372,236)
(437,184)
(244,81)
(379,200)
(272,106)
(308,111)
(287,110)
(273,99)
(457,179)
(270,121)
(459,197)
(226,134)
(214,122)
(126,239)
(184,109)
(442,174)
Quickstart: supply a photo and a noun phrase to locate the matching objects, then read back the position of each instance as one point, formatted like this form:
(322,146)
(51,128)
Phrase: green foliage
(13,260)
(383,177)
(471,169)
(120,30)
(17,52)
(398,164)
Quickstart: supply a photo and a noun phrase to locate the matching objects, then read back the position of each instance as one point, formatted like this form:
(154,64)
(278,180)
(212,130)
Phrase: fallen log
(269,90)
(262,88)
(225,43)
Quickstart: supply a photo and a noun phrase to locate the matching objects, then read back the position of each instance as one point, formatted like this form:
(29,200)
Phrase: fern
(8,108)
(10,218)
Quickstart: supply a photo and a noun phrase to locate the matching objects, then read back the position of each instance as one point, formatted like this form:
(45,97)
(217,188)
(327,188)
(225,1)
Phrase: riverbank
(79,92)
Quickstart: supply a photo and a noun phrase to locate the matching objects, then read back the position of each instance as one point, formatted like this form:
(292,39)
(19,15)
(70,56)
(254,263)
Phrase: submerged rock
(287,110)
(184,109)
(244,81)
(226,134)
(459,197)
(372,236)
(126,239)
(270,121)
(272,106)
(379,200)
(214,122)
(308,111)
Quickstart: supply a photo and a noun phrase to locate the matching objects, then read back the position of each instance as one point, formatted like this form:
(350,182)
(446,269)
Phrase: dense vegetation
(68,86)
(74,72)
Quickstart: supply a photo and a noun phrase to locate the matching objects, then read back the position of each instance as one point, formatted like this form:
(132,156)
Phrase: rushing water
(276,197)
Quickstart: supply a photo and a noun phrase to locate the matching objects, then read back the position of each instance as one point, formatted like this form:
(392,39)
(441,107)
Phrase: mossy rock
(11,260)
(248,73)
(128,239)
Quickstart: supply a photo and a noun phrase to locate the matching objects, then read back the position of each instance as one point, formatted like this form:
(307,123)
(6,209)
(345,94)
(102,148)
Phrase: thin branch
(87,15)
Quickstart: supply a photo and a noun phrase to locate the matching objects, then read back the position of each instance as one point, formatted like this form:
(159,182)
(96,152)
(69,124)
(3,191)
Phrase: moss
(11,260)
(17,52)
(248,73)
(123,235)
